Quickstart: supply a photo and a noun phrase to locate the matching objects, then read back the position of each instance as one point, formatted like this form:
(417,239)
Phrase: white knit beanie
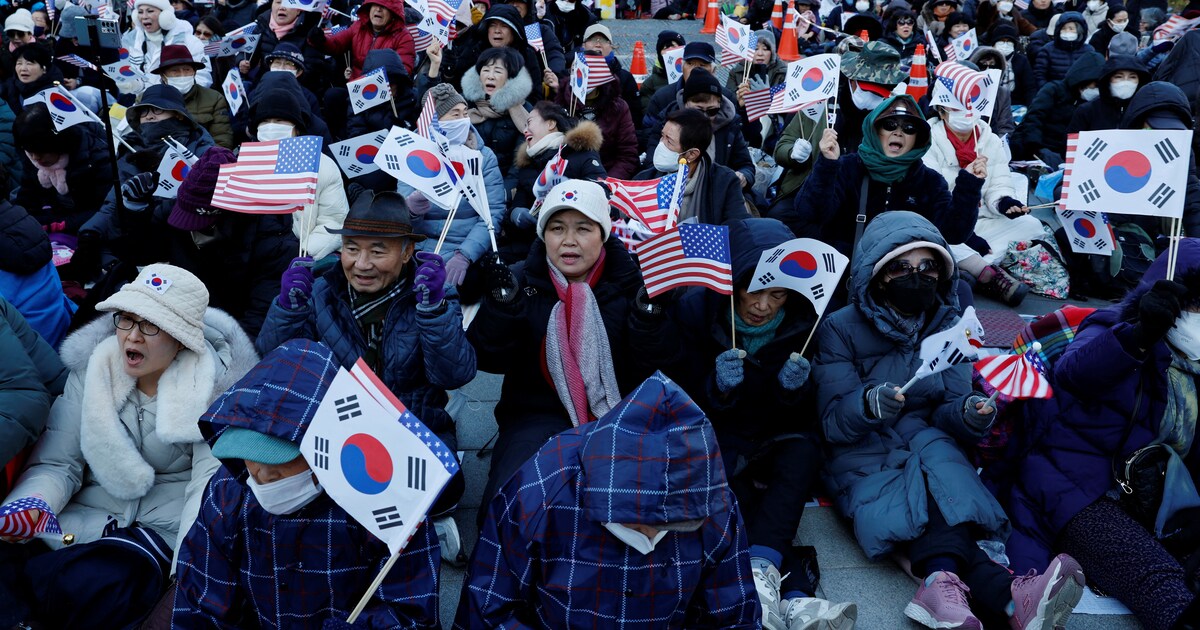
(168,297)
(166,19)
(586,196)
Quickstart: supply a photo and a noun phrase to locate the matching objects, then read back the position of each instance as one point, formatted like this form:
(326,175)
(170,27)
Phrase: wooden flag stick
(362,603)
(810,334)
(732,321)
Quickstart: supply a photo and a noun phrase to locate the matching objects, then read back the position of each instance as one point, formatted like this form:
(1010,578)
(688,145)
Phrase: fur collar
(512,93)
(185,391)
(586,136)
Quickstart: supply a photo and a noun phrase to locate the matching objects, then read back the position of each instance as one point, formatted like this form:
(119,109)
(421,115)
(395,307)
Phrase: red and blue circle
(679,64)
(366,464)
(799,264)
(976,92)
(734,36)
(370,91)
(967,44)
(238,43)
(812,79)
(569,195)
(424,164)
(180,170)
(1127,172)
(127,71)
(1085,228)
(61,102)
(442,20)
(122,53)
(366,153)
(579,79)
(233,91)
(156,281)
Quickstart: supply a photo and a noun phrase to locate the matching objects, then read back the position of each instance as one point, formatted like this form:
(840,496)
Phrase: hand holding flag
(957,344)
(26,518)
(1016,376)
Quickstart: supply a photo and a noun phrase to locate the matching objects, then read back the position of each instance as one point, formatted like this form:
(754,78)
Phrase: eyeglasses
(125,322)
(905,22)
(900,268)
(891,124)
(711,112)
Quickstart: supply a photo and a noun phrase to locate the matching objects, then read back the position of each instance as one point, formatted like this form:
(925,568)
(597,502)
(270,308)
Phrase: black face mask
(911,294)
(152,133)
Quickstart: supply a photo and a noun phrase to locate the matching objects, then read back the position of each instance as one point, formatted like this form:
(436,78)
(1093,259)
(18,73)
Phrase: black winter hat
(279,103)
(508,15)
(701,81)
(667,39)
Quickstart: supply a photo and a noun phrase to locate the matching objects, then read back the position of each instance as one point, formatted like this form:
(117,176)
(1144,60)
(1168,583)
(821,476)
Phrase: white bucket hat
(168,297)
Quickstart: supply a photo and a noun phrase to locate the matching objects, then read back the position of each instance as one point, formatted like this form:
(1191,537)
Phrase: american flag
(686,256)
(743,49)
(426,118)
(533,33)
(961,81)
(76,60)
(421,39)
(649,201)
(275,174)
(213,47)
(1175,26)
(330,32)
(758,102)
(1016,376)
(598,71)
(16,521)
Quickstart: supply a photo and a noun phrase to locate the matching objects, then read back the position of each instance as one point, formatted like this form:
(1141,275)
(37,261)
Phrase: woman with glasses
(895,462)
(847,191)
(901,33)
(122,456)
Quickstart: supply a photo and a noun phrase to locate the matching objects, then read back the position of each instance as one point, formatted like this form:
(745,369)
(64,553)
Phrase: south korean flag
(376,460)
(1140,172)
(1087,232)
(369,90)
(356,156)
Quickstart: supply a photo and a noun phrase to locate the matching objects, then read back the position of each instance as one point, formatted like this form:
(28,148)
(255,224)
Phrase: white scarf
(552,140)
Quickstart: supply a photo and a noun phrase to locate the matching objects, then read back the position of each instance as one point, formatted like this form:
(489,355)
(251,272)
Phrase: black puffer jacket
(1055,59)
(24,247)
(499,134)
(1045,126)
(1107,110)
(89,178)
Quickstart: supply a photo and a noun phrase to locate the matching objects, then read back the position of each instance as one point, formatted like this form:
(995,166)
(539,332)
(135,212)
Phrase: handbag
(1141,476)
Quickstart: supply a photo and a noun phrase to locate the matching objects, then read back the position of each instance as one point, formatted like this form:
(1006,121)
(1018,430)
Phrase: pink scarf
(577,354)
(280,31)
(53,176)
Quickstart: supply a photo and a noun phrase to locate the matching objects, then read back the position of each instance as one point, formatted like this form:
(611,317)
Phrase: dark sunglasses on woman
(891,124)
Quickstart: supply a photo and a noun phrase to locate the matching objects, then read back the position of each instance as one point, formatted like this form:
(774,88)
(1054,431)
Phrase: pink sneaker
(942,604)
(1044,602)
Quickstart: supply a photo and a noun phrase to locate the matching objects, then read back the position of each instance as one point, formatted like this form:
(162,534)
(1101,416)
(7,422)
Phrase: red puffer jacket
(361,39)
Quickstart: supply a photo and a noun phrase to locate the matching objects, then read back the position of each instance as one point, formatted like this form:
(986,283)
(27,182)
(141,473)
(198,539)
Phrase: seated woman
(560,329)
(895,464)
(122,454)
(889,171)
(495,90)
(467,240)
(549,133)
(760,400)
(960,138)
(1125,383)
(155,27)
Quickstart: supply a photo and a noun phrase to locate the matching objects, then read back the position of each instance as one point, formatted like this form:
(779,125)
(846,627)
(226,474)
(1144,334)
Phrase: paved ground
(880,589)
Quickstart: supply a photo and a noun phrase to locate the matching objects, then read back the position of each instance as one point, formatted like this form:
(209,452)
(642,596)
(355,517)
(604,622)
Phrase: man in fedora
(386,306)
(206,105)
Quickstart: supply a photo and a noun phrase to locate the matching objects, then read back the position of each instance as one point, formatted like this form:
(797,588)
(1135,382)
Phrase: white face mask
(183,84)
(541,10)
(1123,89)
(1185,336)
(456,131)
(286,495)
(1069,36)
(275,131)
(565,7)
(1090,94)
(1004,7)
(634,538)
(1118,26)
(665,160)
(1094,5)
(1005,48)
(960,121)
(290,71)
(862,5)
(864,100)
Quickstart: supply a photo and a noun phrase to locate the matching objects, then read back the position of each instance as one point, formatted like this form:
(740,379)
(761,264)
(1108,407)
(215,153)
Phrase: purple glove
(430,280)
(418,205)
(456,269)
(295,287)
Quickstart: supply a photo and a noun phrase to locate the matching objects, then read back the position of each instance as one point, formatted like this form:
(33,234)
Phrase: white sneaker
(450,541)
(811,613)
(767,582)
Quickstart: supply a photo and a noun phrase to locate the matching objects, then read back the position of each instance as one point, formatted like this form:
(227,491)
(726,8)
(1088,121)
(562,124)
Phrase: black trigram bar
(321,453)
(818,291)
(1166,150)
(347,407)
(766,277)
(776,254)
(1098,146)
(1088,191)
(416,473)
(1161,195)
(344,150)
(388,517)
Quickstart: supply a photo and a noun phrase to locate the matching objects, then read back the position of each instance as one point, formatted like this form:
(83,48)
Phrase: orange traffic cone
(712,18)
(637,67)
(789,47)
(918,74)
(863,35)
(777,15)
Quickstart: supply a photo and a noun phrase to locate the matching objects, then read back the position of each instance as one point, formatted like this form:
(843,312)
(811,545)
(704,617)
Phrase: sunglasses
(905,127)
(711,112)
(901,268)
(905,22)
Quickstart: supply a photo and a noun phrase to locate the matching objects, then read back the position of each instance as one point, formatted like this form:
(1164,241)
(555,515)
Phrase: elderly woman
(1124,391)
(495,90)
(122,457)
(895,464)
(467,240)
(888,170)
(550,133)
(155,26)
(560,329)
(32,73)
(959,138)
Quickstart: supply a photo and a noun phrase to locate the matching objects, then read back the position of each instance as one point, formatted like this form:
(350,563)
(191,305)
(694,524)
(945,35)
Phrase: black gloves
(500,280)
(976,242)
(140,188)
(1157,311)
(881,401)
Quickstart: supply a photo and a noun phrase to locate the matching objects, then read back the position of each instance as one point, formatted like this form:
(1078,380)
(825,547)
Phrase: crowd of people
(655,450)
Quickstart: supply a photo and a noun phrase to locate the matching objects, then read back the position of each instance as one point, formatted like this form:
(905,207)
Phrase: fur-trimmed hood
(512,93)
(586,136)
(185,391)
